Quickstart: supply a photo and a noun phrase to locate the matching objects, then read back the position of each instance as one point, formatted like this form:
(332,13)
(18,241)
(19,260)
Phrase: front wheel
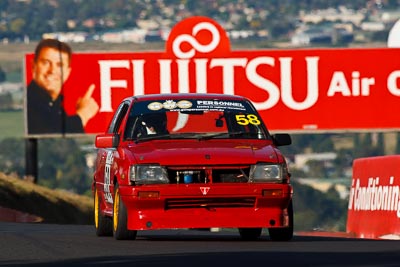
(102,223)
(283,234)
(120,219)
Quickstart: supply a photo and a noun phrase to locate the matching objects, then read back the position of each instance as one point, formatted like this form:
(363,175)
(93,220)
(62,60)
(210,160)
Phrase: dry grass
(54,206)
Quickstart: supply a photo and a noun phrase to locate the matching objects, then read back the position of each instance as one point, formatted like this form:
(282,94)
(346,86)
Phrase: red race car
(172,161)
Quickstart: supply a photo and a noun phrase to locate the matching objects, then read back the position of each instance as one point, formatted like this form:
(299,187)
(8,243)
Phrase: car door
(105,158)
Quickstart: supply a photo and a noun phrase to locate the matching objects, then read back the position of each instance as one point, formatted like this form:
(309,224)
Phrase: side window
(117,119)
(129,128)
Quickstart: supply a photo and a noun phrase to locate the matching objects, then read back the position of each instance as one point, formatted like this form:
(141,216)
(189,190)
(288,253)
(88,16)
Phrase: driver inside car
(155,123)
(150,129)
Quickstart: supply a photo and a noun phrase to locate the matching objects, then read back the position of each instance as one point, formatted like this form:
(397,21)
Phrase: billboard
(295,90)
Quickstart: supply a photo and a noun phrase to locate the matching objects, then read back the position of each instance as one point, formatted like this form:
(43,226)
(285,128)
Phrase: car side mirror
(107,140)
(282,139)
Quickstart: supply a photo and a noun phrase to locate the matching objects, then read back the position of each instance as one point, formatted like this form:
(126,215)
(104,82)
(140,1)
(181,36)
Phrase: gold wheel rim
(96,209)
(116,210)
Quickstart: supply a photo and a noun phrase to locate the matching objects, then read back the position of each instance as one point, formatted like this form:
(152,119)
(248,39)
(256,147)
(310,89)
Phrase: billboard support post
(31,159)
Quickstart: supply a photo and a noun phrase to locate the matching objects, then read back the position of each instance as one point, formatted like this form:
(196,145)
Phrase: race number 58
(247,119)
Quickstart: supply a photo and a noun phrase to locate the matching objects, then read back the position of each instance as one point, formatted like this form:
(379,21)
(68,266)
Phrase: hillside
(47,205)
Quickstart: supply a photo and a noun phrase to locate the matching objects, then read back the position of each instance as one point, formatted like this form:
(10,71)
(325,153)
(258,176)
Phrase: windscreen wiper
(152,137)
(211,136)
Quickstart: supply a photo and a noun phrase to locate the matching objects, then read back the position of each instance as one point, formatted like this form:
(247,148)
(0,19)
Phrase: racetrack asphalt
(38,244)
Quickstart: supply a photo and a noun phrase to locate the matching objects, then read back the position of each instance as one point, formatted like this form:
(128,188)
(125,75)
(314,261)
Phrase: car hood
(212,152)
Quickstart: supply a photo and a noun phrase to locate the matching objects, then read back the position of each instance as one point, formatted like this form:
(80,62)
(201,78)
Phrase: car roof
(172,96)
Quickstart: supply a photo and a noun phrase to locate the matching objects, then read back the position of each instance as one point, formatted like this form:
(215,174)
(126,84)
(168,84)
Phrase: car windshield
(194,119)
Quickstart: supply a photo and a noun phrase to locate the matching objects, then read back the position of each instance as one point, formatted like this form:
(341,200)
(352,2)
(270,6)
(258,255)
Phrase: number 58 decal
(247,119)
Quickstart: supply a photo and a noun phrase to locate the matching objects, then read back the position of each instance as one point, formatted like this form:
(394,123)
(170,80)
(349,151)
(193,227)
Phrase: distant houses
(115,36)
(140,36)
(321,35)
(329,26)
(340,25)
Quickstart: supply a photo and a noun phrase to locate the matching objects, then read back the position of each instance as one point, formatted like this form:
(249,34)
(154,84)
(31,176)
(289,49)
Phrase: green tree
(316,209)
(62,164)
(316,169)
(380,146)
(12,156)
(34,15)
(6,101)
(3,75)
(369,146)
(357,144)
(17,25)
(343,161)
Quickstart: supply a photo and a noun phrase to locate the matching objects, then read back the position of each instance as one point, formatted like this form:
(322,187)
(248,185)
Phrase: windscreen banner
(374,200)
(295,90)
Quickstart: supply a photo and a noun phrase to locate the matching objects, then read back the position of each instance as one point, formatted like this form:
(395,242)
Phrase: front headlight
(267,173)
(148,174)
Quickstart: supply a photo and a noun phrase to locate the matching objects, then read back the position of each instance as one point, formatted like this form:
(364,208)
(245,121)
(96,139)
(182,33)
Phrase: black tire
(250,234)
(102,224)
(120,219)
(283,234)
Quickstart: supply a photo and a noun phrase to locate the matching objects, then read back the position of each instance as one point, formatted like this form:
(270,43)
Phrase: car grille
(202,175)
(209,203)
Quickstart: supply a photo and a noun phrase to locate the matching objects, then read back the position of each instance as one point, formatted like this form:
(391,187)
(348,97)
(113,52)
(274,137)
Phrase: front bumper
(206,205)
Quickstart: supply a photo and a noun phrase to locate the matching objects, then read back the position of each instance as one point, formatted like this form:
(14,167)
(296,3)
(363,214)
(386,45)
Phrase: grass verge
(54,206)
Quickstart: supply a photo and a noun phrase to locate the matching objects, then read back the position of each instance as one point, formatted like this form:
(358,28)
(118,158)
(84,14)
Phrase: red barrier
(10,215)
(374,201)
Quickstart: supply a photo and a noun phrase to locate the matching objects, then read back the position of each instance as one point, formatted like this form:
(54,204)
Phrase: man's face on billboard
(50,70)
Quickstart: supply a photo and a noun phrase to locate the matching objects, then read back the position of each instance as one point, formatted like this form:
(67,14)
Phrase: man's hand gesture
(87,107)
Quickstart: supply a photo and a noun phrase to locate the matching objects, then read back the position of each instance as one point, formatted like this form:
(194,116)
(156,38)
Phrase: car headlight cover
(267,173)
(148,174)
